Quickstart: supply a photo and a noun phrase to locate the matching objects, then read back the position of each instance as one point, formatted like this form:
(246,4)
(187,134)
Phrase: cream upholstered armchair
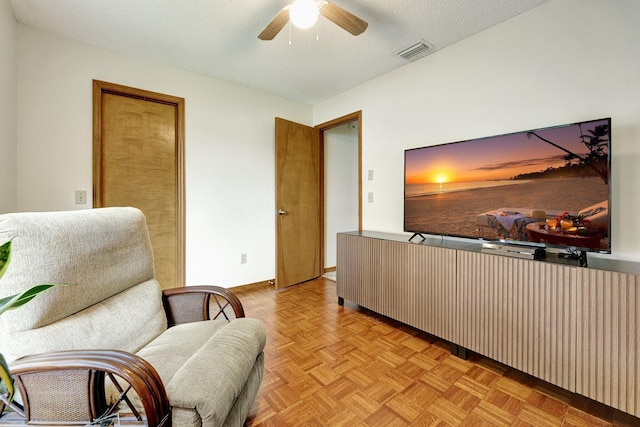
(113,342)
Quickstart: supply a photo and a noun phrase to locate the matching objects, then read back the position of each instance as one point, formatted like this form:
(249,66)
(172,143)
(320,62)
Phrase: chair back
(105,256)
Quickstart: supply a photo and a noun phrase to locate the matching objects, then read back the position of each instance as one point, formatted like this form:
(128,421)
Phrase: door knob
(282,212)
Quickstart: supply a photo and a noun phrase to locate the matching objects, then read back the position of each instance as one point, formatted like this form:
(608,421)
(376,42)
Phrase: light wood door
(298,225)
(138,161)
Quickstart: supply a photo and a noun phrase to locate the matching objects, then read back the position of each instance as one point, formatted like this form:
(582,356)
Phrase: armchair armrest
(68,387)
(196,303)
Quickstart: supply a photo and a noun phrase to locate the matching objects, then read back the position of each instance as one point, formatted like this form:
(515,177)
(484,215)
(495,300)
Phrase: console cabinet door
(408,282)
(608,359)
(420,287)
(359,270)
(519,312)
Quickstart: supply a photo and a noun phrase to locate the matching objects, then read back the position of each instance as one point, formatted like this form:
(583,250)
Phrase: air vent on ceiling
(416,51)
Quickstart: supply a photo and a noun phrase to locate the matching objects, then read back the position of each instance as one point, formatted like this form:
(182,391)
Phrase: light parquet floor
(331,365)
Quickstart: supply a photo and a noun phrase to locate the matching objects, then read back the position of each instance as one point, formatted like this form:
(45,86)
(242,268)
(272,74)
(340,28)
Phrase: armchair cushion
(206,358)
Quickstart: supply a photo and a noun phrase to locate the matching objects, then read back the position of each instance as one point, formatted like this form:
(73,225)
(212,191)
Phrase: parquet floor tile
(331,365)
(492,415)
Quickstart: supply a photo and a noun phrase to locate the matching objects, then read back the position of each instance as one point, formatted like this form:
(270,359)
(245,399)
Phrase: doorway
(300,201)
(340,187)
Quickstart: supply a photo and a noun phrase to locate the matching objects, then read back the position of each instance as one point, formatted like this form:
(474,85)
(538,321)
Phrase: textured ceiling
(218,38)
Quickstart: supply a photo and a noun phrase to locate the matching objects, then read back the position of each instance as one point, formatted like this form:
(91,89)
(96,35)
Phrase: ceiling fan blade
(276,24)
(343,19)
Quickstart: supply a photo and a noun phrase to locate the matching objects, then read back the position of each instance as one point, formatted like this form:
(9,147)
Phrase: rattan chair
(80,383)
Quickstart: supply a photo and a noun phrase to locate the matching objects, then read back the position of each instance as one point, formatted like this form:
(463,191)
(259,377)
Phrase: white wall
(341,186)
(229,149)
(8,100)
(565,61)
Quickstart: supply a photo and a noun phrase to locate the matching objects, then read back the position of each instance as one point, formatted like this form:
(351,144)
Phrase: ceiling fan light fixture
(303,13)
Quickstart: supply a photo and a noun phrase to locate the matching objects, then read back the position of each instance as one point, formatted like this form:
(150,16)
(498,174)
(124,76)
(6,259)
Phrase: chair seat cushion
(201,360)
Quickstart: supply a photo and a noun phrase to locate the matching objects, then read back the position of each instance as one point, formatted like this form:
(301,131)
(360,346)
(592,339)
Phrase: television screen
(546,186)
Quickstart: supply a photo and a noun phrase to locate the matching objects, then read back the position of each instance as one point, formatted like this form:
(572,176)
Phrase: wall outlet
(81,197)
(370,175)
(243,258)
(370,197)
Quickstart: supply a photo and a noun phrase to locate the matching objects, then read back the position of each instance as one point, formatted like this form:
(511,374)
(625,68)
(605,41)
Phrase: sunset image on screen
(496,158)
(556,169)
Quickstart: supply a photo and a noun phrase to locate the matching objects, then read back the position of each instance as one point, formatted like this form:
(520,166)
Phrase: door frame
(357,115)
(100,88)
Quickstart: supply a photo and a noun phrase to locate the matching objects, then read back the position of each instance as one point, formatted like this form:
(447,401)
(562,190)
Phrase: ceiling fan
(304,13)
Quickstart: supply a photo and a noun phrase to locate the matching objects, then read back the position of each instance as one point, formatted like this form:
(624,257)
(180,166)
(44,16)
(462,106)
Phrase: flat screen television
(541,187)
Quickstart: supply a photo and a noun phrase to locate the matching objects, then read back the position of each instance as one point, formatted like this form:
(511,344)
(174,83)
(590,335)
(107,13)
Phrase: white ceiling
(218,38)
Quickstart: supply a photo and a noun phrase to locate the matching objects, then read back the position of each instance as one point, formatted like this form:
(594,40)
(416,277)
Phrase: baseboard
(264,284)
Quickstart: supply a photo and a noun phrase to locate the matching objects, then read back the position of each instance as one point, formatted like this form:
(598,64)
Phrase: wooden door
(298,225)
(138,161)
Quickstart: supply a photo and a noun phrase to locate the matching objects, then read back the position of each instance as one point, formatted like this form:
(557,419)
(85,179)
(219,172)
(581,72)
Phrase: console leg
(340,301)
(453,348)
(459,351)
(463,353)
